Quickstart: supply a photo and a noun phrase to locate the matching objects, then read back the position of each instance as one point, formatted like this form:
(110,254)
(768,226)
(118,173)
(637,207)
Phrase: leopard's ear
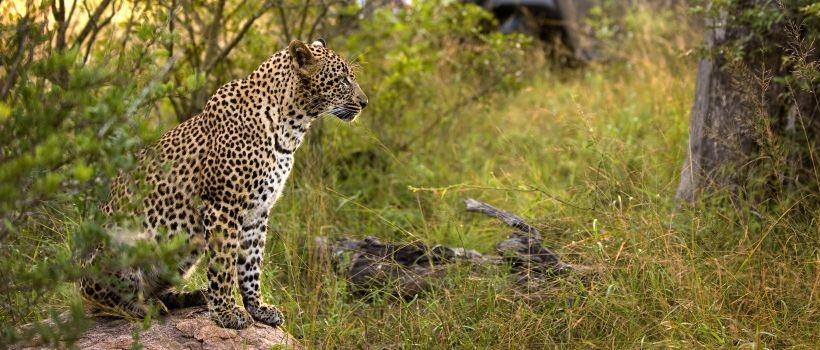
(320,42)
(303,60)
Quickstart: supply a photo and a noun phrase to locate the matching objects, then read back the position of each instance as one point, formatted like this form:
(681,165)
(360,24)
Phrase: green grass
(593,157)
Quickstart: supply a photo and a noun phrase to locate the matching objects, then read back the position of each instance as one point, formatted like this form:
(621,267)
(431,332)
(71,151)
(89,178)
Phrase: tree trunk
(742,112)
(714,137)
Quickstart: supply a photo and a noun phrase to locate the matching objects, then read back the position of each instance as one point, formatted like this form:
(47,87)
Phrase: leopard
(212,181)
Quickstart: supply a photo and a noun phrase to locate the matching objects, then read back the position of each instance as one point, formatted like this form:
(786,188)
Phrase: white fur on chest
(274,185)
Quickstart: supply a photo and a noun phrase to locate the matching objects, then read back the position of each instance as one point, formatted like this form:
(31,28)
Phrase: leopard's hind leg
(128,293)
(117,294)
(124,292)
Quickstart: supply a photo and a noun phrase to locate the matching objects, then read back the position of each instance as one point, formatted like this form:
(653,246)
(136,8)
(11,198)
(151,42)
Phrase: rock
(189,328)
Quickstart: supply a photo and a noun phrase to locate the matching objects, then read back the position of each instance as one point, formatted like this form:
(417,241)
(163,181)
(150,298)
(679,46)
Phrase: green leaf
(83,172)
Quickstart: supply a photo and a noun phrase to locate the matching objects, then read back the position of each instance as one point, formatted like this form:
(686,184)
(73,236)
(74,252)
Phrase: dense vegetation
(590,155)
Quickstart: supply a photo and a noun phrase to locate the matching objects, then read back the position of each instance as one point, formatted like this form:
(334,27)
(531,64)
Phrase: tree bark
(743,111)
(714,136)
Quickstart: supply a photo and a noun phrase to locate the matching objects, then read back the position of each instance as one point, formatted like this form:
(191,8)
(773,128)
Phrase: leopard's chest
(270,186)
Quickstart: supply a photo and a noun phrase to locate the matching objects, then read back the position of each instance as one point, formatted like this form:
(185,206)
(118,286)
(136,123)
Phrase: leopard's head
(326,82)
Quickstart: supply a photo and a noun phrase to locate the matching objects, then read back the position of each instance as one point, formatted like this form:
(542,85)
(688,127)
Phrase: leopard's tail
(180,300)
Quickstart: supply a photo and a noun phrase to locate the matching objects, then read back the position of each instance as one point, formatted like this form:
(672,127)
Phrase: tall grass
(593,157)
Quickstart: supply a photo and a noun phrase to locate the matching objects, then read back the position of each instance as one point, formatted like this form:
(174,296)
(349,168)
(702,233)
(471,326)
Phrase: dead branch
(508,218)
(526,252)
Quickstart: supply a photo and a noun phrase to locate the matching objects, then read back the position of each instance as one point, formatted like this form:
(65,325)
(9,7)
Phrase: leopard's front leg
(251,252)
(221,219)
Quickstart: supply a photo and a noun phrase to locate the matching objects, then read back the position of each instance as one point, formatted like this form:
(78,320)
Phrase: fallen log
(408,269)
(524,249)
(404,269)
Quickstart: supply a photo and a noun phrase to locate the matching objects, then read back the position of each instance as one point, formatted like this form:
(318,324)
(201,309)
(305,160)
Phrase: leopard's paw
(267,314)
(235,317)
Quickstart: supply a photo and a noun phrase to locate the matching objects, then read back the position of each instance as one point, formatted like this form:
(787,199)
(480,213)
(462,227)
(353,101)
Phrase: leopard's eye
(345,81)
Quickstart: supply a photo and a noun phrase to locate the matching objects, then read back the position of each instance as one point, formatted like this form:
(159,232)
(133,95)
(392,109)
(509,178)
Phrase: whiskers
(346,112)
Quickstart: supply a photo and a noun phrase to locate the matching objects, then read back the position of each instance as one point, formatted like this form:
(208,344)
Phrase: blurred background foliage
(456,109)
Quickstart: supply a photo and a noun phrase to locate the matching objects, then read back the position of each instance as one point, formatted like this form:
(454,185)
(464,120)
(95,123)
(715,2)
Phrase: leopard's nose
(363,103)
